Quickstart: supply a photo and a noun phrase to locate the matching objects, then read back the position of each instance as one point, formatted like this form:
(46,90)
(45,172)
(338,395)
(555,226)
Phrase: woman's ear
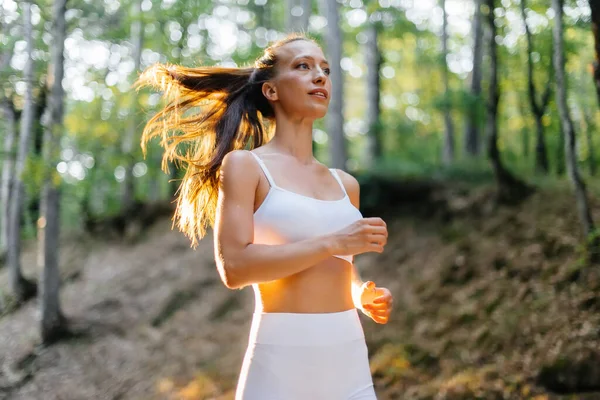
(270,91)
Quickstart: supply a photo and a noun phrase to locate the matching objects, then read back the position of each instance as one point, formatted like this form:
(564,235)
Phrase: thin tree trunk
(538,108)
(585,215)
(21,288)
(297,14)
(7,173)
(472,135)
(53,323)
(541,153)
(137,37)
(595,7)
(510,189)
(335,116)
(448,151)
(494,99)
(373,62)
(590,127)
(10,134)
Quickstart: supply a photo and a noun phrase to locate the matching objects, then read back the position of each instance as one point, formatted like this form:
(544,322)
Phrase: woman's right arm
(240,262)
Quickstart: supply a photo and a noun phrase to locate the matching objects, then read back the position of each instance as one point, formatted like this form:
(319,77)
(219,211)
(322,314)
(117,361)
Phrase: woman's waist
(325,288)
(306,329)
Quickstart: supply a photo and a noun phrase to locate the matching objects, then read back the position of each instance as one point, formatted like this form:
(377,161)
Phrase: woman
(283,222)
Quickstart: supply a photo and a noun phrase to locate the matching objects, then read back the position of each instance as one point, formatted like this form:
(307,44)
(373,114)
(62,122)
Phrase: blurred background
(472,126)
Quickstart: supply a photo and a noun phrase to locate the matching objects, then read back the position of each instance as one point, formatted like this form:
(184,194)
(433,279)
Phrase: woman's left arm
(375,302)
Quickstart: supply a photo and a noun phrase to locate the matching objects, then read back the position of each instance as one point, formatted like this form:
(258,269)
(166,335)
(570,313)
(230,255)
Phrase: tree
(21,288)
(448,150)
(373,61)
(137,38)
(538,108)
(335,116)
(10,134)
(53,323)
(510,189)
(472,124)
(7,169)
(297,14)
(583,208)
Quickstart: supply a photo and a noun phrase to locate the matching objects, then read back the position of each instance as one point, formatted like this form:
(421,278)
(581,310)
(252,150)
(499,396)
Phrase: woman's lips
(319,95)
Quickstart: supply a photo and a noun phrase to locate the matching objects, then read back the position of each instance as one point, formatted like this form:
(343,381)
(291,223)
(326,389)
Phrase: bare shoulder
(239,168)
(351,185)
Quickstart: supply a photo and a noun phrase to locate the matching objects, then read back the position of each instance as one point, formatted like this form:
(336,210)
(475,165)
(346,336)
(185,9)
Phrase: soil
(490,303)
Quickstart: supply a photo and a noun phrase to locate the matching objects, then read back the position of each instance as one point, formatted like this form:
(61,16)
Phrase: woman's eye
(327,71)
(303,65)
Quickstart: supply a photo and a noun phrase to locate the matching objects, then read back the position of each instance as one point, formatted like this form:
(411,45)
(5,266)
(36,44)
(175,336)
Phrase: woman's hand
(375,302)
(364,235)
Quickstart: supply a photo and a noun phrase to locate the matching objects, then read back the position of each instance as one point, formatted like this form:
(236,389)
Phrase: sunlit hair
(210,111)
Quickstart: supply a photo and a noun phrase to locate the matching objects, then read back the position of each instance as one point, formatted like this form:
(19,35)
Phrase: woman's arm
(375,302)
(353,189)
(239,261)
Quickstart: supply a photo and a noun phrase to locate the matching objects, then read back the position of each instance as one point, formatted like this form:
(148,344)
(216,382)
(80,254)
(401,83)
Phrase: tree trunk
(595,7)
(53,323)
(20,287)
(585,215)
(7,173)
(510,189)
(297,14)
(335,116)
(541,153)
(373,62)
(590,127)
(538,108)
(8,149)
(137,37)
(448,151)
(472,124)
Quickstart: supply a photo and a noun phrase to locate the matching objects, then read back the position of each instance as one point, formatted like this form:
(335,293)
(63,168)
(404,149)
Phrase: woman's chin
(320,115)
(318,112)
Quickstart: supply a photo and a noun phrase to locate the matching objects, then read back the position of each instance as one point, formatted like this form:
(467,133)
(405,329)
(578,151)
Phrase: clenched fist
(375,302)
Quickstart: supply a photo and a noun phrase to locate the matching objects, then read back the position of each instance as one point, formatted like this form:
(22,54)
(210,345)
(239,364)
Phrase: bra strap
(264,169)
(337,178)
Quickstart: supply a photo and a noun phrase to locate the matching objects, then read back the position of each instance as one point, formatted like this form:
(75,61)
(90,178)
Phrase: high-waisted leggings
(306,357)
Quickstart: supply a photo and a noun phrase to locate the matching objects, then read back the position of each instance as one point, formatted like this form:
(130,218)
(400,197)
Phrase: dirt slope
(490,304)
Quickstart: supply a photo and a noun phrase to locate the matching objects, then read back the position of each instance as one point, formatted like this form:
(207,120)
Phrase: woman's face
(301,87)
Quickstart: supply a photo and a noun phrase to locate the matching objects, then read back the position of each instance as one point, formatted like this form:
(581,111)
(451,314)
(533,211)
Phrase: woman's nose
(320,75)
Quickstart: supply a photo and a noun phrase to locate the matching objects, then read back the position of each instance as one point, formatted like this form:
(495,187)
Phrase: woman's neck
(294,138)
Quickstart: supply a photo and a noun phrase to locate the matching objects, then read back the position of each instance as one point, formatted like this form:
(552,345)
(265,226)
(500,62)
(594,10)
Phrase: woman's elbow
(229,275)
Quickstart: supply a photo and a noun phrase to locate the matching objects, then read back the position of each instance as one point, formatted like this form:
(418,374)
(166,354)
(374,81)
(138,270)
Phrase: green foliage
(412,99)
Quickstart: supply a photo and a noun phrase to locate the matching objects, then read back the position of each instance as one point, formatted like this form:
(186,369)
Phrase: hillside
(490,303)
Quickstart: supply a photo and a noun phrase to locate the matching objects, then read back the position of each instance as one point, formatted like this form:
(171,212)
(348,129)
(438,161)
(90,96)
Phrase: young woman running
(283,222)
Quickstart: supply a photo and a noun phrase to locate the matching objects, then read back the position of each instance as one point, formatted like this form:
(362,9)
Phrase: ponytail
(210,112)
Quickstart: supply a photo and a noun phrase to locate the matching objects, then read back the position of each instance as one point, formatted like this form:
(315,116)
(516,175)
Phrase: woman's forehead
(299,48)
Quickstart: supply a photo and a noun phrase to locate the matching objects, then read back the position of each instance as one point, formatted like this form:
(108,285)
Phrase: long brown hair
(210,112)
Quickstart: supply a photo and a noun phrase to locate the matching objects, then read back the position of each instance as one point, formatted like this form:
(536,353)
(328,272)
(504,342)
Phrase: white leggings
(306,357)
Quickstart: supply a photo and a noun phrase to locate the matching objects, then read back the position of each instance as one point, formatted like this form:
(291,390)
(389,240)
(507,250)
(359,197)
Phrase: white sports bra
(286,217)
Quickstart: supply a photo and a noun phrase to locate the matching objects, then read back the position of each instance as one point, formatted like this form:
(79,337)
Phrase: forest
(471,125)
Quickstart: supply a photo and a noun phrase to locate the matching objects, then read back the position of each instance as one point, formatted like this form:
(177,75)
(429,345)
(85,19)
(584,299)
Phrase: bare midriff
(323,288)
